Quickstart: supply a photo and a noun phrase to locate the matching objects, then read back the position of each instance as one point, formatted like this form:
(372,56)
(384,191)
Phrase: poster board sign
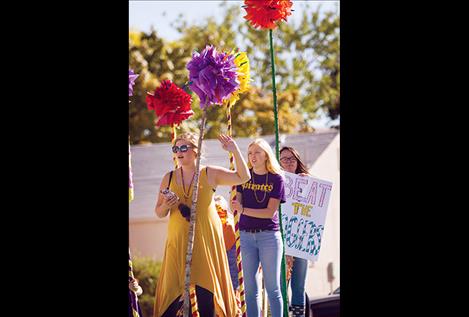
(304,214)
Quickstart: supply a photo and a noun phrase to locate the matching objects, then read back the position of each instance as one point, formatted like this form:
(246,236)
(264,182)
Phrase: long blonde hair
(271,164)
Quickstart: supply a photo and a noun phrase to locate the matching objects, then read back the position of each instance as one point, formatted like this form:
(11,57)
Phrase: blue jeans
(265,248)
(298,280)
(233,266)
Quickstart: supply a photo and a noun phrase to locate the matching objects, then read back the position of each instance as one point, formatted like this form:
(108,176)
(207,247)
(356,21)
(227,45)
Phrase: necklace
(186,195)
(255,191)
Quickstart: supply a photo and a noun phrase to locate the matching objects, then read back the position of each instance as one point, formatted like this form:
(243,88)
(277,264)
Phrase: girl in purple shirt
(261,242)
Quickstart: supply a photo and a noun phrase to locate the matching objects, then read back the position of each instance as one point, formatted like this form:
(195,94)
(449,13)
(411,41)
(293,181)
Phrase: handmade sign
(304,214)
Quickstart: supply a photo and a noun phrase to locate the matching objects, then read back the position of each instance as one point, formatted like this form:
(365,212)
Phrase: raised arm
(222,176)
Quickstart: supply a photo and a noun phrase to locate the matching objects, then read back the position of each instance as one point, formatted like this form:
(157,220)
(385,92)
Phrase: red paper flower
(172,104)
(264,14)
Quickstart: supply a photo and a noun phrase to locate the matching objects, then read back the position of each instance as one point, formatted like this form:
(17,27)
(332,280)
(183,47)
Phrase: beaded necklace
(186,195)
(255,191)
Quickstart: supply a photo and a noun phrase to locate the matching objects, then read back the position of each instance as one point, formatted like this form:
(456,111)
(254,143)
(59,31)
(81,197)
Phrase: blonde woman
(261,241)
(209,271)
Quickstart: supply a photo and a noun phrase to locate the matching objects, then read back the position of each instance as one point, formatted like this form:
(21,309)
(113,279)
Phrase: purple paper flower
(132,77)
(212,76)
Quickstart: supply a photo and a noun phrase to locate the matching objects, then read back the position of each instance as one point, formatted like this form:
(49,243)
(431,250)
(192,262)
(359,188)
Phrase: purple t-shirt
(256,194)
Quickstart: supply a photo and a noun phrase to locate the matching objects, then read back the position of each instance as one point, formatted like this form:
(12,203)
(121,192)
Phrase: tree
(307,64)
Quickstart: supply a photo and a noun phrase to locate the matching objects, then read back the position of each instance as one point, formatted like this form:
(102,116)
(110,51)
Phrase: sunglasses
(288,159)
(182,148)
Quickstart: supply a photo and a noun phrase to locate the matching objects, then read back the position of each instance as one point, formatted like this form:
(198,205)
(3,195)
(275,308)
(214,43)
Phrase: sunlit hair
(190,137)
(300,166)
(221,201)
(271,164)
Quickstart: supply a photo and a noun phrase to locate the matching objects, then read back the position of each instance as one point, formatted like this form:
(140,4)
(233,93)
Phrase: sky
(144,14)
(159,14)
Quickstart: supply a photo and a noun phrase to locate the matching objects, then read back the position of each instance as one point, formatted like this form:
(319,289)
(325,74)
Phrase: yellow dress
(209,268)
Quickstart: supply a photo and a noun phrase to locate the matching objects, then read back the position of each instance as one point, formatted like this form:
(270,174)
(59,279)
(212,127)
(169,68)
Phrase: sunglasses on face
(182,148)
(288,159)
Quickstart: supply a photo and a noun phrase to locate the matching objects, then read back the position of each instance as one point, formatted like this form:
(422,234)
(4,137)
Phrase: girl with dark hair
(291,162)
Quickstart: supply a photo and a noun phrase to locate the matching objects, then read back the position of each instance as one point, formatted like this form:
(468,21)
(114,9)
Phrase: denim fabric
(298,280)
(233,267)
(265,248)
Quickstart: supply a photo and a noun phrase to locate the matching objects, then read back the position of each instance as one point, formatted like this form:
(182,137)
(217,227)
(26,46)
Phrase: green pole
(277,153)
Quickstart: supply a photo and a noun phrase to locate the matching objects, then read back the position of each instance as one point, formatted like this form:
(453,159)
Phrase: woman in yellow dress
(209,269)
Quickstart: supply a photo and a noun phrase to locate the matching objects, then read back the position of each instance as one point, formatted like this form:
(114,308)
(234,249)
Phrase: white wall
(147,237)
(327,167)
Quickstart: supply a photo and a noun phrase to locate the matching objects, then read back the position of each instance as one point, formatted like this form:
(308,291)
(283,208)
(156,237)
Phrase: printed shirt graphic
(260,186)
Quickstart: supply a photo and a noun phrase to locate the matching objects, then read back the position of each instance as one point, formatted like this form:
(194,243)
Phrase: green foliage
(307,63)
(146,271)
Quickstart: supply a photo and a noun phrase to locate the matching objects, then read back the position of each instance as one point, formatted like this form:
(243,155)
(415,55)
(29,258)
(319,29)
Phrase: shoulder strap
(170,177)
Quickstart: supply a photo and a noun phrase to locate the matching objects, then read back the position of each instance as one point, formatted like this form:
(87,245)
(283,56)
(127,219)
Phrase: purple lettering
(299,190)
(288,186)
(312,193)
(324,188)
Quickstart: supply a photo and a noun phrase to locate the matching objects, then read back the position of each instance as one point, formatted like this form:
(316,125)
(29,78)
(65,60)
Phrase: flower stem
(283,282)
(191,233)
